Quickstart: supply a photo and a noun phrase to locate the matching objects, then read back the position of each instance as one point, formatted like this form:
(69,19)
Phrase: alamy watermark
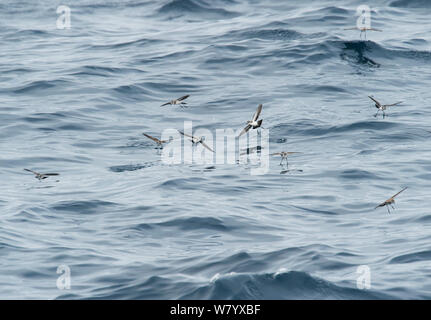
(64,280)
(363,281)
(64,19)
(364,19)
(363,22)
(225,147)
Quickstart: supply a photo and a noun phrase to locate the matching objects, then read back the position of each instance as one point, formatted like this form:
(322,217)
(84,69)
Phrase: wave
(27,34)
(187,224)
(132,43)
(411,4)
(40,86)
(267,34)
(83,207)
(312,128)
(131,167)
(103,71)
(278,286)
(195,7)
(412,257)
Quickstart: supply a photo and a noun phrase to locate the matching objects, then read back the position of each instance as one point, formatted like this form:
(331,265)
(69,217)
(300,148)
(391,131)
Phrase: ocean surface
(120,223)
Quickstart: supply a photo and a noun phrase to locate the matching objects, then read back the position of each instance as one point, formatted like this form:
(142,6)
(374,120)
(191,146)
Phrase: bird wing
(245,130)
(397,194)
(34,172)
(293,152)
(380,205)
(50,174)
(185,134)
(183,97)
(203,143)
(350,28)
(257,113)
(393,104)
(276,154)
(378,103)
(152,138)
(165,104)
(375,29)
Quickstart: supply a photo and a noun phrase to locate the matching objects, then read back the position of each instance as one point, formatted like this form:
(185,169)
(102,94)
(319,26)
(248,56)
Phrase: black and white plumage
(179,101)
(382,107)
(254,122)
(196,140)
(42,176)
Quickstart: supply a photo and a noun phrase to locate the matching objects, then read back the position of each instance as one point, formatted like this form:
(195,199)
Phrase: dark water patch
(103,71)
(196,7)
(266,34)
(424,219)
(17,71)
(73,127)
(181,183)
(357,174)
(41,86)
(360,52)
(133,92)
(138,43)
(290,285)
(326,89)
(131,167)
(332,10)
(325,212)
(84,207)
(223,48)
(412,257)
(194,223)
(178,55)
(312,128)
(112,4)
(411,4)
(355,52)
(173,89)
(189,224)
(27,34)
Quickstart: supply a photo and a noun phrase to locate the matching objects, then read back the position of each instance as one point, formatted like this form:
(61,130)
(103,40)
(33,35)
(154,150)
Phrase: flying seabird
(253,123)
(159,142)
(41,176)
(382,107)
(390,201)
(177,101)
(196,140)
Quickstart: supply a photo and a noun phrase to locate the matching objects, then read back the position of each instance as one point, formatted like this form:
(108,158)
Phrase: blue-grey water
(129,226)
